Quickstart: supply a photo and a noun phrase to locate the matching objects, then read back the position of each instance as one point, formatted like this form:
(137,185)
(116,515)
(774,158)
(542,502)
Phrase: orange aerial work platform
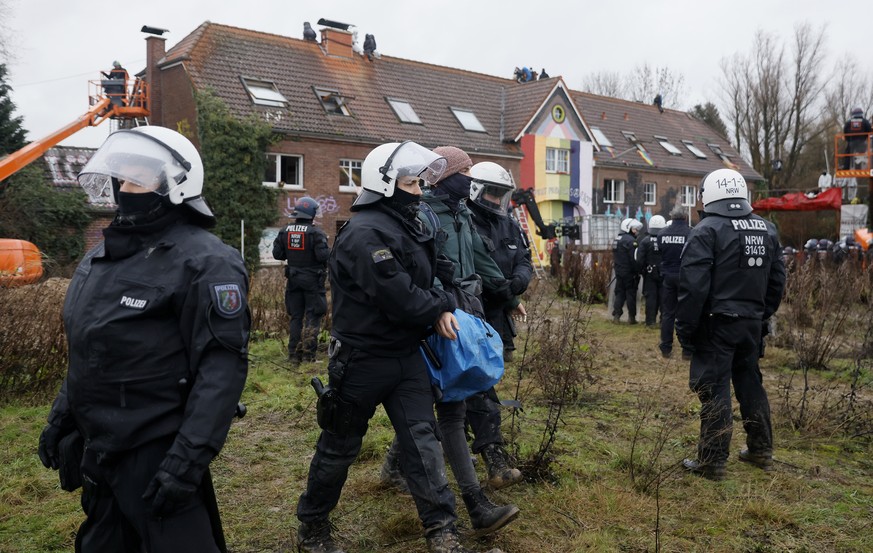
(853,164)
(108,98)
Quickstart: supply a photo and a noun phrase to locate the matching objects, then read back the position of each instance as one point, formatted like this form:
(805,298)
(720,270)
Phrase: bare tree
(5,32)
(645,82)
(605,83)
(772,101)
(641,84)
(848,87)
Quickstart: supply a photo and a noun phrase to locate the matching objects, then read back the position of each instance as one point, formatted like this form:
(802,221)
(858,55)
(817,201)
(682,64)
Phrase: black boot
(710,471)
(485,516)
(314,537)
(445,540)
(391,474)
(763,461)
(500,474)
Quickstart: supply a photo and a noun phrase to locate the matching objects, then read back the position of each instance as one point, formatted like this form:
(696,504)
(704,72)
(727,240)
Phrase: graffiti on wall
(326,204)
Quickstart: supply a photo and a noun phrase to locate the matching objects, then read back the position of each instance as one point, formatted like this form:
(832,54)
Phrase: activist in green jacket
(461,242)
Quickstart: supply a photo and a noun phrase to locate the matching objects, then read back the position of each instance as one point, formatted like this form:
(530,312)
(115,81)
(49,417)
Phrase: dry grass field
(604,446)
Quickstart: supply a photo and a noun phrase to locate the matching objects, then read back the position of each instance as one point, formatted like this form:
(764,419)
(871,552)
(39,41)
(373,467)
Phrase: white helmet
(724,192)
(155,158)
(657,222)
(631,224)
(388,162)
(491,187)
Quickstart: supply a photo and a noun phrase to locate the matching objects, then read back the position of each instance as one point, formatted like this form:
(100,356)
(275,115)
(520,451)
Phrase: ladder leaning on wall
(520,216)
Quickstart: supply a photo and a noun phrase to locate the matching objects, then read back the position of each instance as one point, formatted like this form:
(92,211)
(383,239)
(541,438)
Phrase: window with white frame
(716,149)
(694,149)
(601,138)
(284,171)
(557,160)
(632,138)
(613,191)
(665,143)
(332,101)
(403,110)
(650,193)
(468,120)
(688,196)
(350,175)
(264,93)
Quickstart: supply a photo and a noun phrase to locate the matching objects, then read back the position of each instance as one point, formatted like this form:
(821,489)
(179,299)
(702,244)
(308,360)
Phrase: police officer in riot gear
(445,212)
(157,326)
(491,190)
(671,242)
(304,246)
(382,269)
(627,272)
(731,280)
(649,260)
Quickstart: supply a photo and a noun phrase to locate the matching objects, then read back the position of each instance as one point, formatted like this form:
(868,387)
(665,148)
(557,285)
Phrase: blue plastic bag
(472,363)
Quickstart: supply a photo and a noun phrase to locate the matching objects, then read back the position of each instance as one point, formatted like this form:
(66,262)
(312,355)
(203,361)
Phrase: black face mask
(456,187)
(405,203)
(131,204)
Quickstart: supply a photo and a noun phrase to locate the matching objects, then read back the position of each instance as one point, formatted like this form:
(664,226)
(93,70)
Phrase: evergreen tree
(708,113)
(234,164)
(12,135)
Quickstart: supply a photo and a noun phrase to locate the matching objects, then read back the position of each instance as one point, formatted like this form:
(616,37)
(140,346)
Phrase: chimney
(155,51)
(337,42)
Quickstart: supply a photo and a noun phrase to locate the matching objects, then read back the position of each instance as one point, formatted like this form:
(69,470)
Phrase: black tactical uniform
(304,246)
(509,249)
(157,326)
(382,270)
(649,260)
(731,280)
(626,275)
(671,241)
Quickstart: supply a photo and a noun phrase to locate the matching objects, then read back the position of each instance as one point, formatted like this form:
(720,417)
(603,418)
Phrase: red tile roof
(218,56)
(613,116)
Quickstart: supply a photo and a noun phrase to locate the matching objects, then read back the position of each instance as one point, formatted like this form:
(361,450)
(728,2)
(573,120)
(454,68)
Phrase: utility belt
(335,414)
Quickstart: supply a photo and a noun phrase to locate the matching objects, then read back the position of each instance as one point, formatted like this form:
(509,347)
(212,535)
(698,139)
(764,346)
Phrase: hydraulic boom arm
(16,160)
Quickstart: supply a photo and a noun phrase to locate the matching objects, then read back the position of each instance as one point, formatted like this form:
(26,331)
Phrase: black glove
(445,269)
(502,292)
(517,286)
(167,493)
(48,446)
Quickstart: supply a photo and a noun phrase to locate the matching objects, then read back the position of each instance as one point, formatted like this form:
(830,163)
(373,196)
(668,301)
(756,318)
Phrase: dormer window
(332,101)
(665,143)
(694,149)
(403,110)
(264,93)
(468,120)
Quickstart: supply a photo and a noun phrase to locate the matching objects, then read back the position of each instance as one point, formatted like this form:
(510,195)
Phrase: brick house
(332,105)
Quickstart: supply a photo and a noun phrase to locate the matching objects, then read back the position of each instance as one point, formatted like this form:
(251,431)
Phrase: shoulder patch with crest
(228,299)
(381,255)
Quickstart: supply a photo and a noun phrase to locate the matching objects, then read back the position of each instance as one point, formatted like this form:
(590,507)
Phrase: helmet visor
(411,159)
(133,158)
(494,198)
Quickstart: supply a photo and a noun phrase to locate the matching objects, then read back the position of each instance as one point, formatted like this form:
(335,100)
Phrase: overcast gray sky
(60,45)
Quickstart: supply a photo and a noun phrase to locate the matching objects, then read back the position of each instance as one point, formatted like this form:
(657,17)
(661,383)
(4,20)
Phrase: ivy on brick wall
(234,161)
(55,220)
